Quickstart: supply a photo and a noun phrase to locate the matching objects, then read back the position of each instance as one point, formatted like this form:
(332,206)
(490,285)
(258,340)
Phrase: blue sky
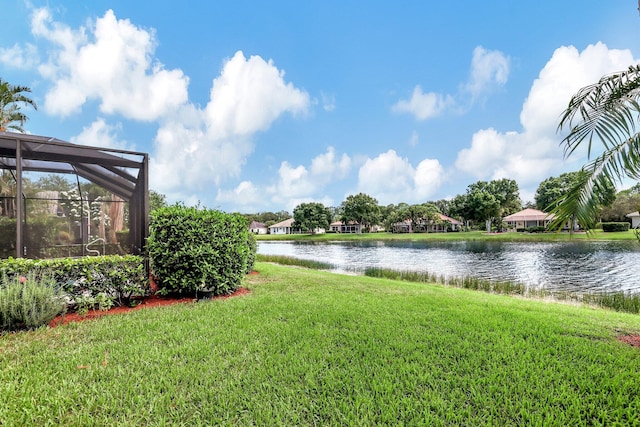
(259,106)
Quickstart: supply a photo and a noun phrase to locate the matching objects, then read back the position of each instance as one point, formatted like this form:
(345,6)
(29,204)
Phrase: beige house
(528,218)
(635,219)
(351,227)
(431,227)
(286,227)
(283,227)
(258,228)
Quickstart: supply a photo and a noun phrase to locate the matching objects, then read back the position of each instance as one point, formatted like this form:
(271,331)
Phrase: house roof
(282,224)
(337,223)
(528,215)
(451,220)
(256,224)
(633,214)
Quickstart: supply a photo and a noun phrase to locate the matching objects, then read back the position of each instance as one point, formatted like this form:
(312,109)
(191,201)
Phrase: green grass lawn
(314,348)
(471,235)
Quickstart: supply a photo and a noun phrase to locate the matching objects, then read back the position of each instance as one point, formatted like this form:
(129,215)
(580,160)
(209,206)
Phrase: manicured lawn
(315,348)
(471,235)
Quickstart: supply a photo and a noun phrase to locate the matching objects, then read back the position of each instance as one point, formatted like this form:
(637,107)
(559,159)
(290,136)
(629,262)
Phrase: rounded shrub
(192,248)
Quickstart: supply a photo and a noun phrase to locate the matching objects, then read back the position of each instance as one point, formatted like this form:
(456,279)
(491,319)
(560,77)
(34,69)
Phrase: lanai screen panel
(124,174)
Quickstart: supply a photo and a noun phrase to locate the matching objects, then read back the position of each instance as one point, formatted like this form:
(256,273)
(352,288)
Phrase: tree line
(483,206)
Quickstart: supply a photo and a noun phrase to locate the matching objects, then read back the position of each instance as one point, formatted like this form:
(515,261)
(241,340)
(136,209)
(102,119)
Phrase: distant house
(445,224)
(286,227)
(528,218)
(283,227)
(350,227)
(258,228)
(635,219)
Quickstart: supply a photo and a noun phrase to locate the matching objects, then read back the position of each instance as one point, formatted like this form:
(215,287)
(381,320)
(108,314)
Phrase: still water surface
(579,266)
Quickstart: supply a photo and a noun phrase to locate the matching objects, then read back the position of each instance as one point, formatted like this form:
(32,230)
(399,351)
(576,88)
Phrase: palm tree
(606,112)
(11,97)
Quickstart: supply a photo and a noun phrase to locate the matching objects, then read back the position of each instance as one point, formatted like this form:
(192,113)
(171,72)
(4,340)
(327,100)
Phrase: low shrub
(119,278)
(615,226)
(253,250)
(191,249)
(28,302)
(536,229)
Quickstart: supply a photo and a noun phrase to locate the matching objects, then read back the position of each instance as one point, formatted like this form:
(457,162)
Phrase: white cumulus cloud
(424,105)
(249,95)
(393,179)
(19,57)
(101,134)
(245,197)
(489,69)
(533,154)
(111,61)
(301,184)
(200,147)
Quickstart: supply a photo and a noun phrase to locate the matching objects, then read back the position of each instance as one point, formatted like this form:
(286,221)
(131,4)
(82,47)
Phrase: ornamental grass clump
(192,249)
(28,302)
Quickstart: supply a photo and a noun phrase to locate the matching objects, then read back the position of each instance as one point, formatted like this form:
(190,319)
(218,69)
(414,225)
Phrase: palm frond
(583,200)
(603,110)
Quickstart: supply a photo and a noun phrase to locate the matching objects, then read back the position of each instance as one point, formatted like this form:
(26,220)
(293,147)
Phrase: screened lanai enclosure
(59,199)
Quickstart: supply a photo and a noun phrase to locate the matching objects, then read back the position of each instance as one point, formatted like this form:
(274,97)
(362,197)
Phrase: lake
(578,266)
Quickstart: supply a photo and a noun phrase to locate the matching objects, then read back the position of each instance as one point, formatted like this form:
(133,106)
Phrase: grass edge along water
(619,301)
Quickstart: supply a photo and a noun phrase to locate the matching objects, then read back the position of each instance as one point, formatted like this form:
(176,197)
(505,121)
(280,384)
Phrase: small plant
(28,302)
(103,301)
(84,303)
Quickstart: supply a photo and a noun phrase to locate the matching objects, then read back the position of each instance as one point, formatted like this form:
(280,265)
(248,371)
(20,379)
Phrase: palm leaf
(605,112)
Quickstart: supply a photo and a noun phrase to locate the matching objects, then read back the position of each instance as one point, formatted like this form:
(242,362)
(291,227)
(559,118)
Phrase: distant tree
(554,189)
(52,182)
(626,201)
(444,206)
(310,216)
(11,98)
(420,215)
(360,208)
(488,201)
(156,200)
(459,208)
(267,218)
(507,193)
(483,206)
(389,215)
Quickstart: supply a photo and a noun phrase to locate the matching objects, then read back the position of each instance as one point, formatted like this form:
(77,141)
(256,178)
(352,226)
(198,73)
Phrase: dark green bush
(28,302)
(191,248)
(615,226)
(120,278)
(253,249)
(536,229)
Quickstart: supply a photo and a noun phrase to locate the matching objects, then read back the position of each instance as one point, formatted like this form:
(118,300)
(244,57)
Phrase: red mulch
(152,301)
(633,340)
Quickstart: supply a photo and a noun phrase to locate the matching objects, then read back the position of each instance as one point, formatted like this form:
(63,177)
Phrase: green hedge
(533,229)
(115,277)
(615,226)
(191,248)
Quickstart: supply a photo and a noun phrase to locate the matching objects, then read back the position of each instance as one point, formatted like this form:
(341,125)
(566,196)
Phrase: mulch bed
(152,301)
(633,340)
